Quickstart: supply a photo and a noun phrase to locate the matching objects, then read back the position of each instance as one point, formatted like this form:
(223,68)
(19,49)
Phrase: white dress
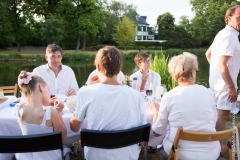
(29,129)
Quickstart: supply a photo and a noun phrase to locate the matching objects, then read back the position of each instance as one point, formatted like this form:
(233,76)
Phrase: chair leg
(145,151)
(83,153)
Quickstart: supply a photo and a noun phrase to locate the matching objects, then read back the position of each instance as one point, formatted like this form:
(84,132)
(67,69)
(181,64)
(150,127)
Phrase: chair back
(31,143)
(10,89)
(115,139)
(198,137)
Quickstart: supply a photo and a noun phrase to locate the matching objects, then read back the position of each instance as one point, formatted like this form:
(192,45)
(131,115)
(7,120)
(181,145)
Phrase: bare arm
(58,124)
(75,125)
(208,55)
(232,92)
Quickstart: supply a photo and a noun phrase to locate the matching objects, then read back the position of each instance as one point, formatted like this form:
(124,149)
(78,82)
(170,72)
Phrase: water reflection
(10,70)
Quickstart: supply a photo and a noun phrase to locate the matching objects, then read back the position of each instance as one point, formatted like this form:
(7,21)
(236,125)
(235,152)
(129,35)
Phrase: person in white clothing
(34,118)
(224,57)
(145,76)
(58,76)
(179,106)
(108,106)
(93,78)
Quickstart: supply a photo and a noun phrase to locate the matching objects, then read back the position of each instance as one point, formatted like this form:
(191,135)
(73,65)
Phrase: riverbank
(37,54)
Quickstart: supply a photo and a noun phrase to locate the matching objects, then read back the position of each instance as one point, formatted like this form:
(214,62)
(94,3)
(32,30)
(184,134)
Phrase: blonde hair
(110,60)
(181,66)
(230,13)
(140,57)
(28,89)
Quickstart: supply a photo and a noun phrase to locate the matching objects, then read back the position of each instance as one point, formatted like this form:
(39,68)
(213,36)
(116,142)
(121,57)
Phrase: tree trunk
(84,42)
(78,43)
(18,45)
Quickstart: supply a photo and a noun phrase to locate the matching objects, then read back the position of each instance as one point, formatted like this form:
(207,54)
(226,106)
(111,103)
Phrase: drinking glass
(52,93)
(62,95)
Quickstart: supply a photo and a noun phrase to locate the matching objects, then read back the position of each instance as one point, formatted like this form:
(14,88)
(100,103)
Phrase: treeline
(89,24)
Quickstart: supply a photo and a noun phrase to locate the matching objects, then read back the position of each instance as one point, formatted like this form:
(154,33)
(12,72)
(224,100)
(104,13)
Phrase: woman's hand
(56,103)
(154,107)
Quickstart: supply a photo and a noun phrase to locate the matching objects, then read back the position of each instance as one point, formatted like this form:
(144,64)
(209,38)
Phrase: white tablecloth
(9,126)
(10,99)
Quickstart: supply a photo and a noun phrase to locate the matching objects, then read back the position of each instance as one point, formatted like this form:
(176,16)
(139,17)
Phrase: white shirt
(226,43)
(193,108)
(120,77)
(110,107)
(64,81)
(153,78)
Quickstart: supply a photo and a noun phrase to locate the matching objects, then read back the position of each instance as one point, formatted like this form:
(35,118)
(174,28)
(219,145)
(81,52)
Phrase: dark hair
(53,48)
(110,60)
(27,89)
(230,12)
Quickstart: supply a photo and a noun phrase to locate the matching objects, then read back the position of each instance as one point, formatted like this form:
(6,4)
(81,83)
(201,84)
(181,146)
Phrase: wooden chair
(115,139)
(200,137)
(31,143)
(10,89)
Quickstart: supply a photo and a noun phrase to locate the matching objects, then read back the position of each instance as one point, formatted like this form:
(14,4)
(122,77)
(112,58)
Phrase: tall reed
(159,65)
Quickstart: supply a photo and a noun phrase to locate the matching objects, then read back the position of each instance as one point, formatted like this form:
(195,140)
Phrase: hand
(154,107)
(56,103)
(71,92)
(156,134)
(145,76)
(94,80)
(232,94)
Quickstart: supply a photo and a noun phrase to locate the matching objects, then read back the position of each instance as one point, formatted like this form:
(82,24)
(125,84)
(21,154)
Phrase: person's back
(111,108)
(34,118)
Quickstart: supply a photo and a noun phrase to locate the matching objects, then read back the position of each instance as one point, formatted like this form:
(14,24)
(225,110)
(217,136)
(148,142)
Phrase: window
(139,37)
(139,28)
(144,28)
(144,37)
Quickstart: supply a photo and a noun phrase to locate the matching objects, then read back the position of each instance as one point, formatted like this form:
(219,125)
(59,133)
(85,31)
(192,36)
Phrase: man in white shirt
(224,57)
(93,75)
(58,76)
(109,105)
(144,75)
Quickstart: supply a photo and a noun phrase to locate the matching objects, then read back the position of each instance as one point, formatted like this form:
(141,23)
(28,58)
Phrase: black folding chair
(31,143)
(115,139)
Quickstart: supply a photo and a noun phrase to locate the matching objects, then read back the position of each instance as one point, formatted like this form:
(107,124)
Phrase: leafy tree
(209,18)
(115,10)
(185,23)
(165,24)
(52,30)
(14,22)
(82,17)
(125,32)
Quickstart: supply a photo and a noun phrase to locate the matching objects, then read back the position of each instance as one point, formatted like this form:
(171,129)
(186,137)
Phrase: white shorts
(221,99)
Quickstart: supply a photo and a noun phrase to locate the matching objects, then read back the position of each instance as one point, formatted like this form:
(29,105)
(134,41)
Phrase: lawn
(150,155)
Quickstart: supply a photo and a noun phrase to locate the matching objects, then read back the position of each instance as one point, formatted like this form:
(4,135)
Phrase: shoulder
(135,74)
(154,73)
(67,68)
(40,68)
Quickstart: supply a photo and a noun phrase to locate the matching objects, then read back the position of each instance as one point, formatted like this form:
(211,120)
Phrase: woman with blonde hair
(188,105)
(35,118)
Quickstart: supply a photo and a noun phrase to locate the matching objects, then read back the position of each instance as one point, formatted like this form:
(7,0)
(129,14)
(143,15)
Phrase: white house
(144,32)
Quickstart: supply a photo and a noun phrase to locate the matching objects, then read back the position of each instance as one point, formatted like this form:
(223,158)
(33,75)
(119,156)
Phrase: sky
(153,8)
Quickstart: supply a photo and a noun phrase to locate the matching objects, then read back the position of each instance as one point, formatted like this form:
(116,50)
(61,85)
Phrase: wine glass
(61,95)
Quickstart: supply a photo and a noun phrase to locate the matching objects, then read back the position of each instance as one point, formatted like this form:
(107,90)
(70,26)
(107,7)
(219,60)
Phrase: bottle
(134,83)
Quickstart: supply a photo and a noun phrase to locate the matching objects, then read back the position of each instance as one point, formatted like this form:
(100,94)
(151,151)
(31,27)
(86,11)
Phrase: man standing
(58,76)
(224,57)
(109,105)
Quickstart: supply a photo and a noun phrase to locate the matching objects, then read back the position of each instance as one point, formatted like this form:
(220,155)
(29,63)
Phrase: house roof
(142,20)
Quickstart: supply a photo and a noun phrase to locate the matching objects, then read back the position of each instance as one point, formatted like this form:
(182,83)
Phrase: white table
(10,126)
(10,99)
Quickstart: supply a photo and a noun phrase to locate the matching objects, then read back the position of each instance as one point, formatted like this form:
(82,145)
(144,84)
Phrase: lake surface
(10,70)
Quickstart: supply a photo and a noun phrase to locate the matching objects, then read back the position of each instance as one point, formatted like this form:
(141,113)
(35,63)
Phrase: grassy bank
(71,55)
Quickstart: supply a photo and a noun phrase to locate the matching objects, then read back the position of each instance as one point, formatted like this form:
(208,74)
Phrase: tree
(115,10)
(165,24)
(125,32)
(184,23)
(52,30)
(82,17)
(14,21)
(209,18)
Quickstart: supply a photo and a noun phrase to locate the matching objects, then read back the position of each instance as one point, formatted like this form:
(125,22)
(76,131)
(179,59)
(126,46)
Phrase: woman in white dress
(35,118)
